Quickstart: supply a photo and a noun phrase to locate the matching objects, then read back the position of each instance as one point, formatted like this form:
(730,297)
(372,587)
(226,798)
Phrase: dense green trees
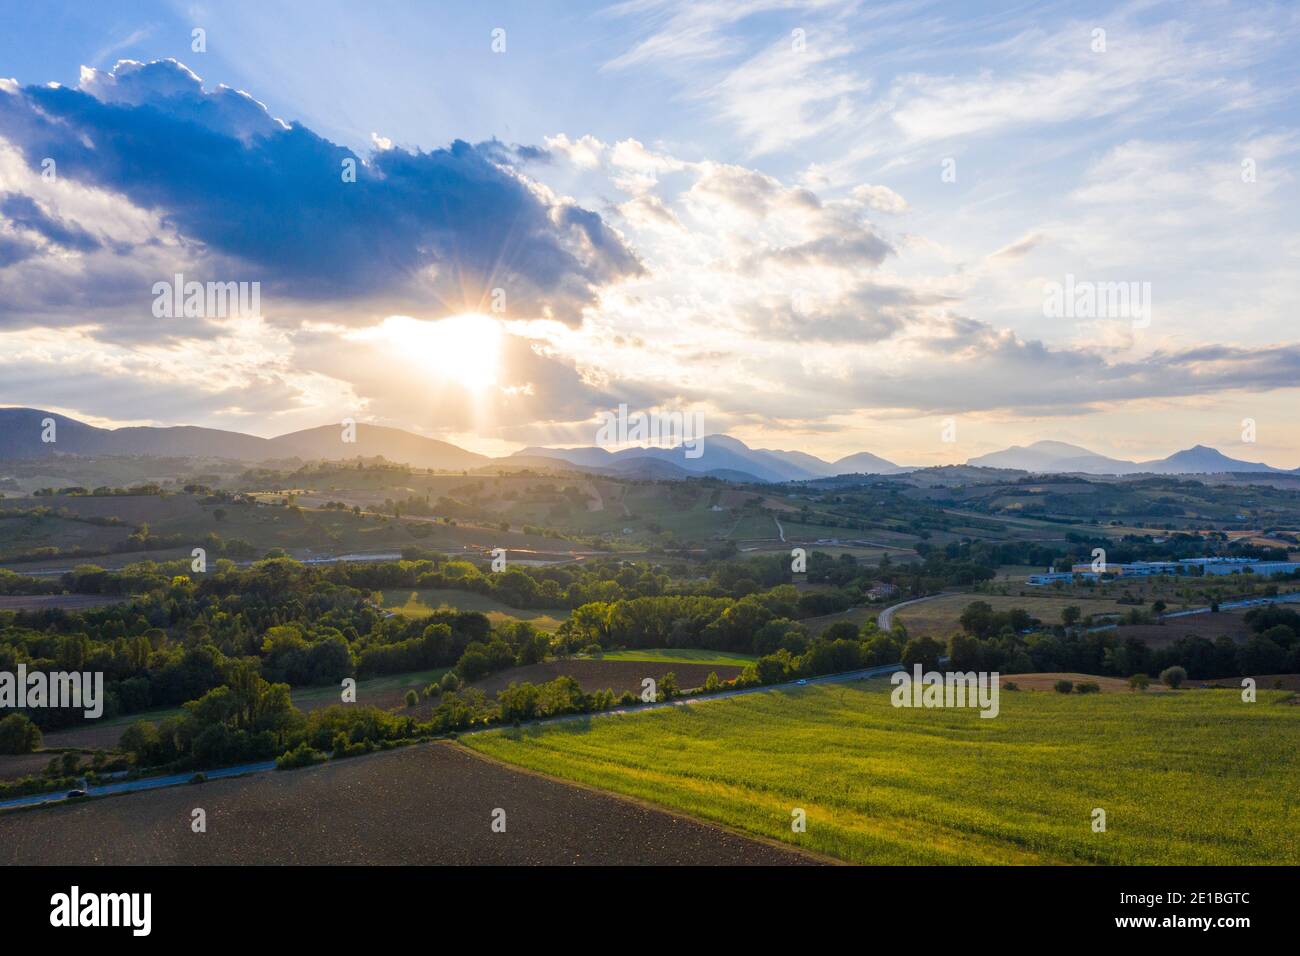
(18,735)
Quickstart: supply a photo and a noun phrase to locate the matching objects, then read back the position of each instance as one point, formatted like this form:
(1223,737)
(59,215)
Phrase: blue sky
(826,225)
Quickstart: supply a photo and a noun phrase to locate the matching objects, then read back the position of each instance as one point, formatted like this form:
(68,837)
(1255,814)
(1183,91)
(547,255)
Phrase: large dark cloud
(24,213)
(444,226)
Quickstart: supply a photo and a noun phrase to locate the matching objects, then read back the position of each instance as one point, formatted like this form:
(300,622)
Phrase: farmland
(430,804)
(940,616)
(1194,777)
(616,675)
(681,655)
(421,603)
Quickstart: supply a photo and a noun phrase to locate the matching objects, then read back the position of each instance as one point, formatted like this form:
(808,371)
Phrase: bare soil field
(13,766)
(1209,626)
(71,602)
(594,675)
(429,804)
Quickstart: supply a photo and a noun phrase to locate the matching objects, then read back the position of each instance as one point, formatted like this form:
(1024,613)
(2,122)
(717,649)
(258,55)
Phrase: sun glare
(464,349)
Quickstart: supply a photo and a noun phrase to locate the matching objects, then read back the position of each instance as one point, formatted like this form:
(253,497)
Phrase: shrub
(412,698)
(1173,676)
(1139,682)
(1010,685)
(18,735)
(593,650)
(668,688)
(1064,686)
(302,755)
(1087,687)
(450,681)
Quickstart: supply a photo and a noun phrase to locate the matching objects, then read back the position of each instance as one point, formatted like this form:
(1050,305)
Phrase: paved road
(1228,606)
(154,783)
(886,617)
(1236,605)
(144,783)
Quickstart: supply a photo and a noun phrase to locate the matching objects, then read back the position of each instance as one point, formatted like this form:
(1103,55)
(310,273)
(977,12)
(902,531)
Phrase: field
(1194,777)
(423,602)
(941,616)
(854,615)
(428,804)
(1209,626)
(681,655)
(615,675)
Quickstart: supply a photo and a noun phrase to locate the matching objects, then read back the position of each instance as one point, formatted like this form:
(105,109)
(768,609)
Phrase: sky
(924,230)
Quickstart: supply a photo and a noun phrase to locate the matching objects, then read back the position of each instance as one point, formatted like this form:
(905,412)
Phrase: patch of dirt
(594,675)
(1209,626)
(428,804)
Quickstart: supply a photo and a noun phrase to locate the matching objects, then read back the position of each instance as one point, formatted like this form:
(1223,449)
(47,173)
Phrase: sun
(463,349)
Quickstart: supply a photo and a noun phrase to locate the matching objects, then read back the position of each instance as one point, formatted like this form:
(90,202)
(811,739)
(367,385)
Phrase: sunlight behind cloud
(461,349)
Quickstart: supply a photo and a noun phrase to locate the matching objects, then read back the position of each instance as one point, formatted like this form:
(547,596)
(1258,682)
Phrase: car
(75,793)
(802,680)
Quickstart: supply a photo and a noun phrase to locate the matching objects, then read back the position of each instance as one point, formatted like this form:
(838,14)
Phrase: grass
(368,690)
(423,602)
(1195,777)
(941,616)
(684,655)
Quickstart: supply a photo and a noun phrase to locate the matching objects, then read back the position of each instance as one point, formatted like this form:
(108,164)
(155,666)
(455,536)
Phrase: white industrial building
(1184,566)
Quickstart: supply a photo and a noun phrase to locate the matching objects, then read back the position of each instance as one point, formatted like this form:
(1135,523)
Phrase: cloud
(272,201)
(24,213)
(881,199)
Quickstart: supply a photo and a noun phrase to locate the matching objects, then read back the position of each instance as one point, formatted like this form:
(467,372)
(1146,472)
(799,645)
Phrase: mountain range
(1054,457)
(720,456)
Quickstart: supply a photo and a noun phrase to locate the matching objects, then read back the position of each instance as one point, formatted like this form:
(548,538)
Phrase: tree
(1139,682)
(840,631)
(1063,686)
(964,653)
(412,698)
(1260,655)
(142,739)
(1070,615)
(18,735)
(925,651)
(1173,676)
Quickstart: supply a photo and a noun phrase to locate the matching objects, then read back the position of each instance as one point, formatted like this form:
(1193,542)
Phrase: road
(1227,606)
(172,780)
(886,618)
(1236,605)
(144,783)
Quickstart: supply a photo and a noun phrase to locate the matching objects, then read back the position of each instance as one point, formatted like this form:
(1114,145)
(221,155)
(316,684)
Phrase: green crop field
(1193,777)
(423,602)
(680,655)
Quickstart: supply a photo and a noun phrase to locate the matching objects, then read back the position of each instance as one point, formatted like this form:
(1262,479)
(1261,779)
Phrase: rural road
(886,617)
(144,783)
(1227,606)
(172,780)
(1235,605)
